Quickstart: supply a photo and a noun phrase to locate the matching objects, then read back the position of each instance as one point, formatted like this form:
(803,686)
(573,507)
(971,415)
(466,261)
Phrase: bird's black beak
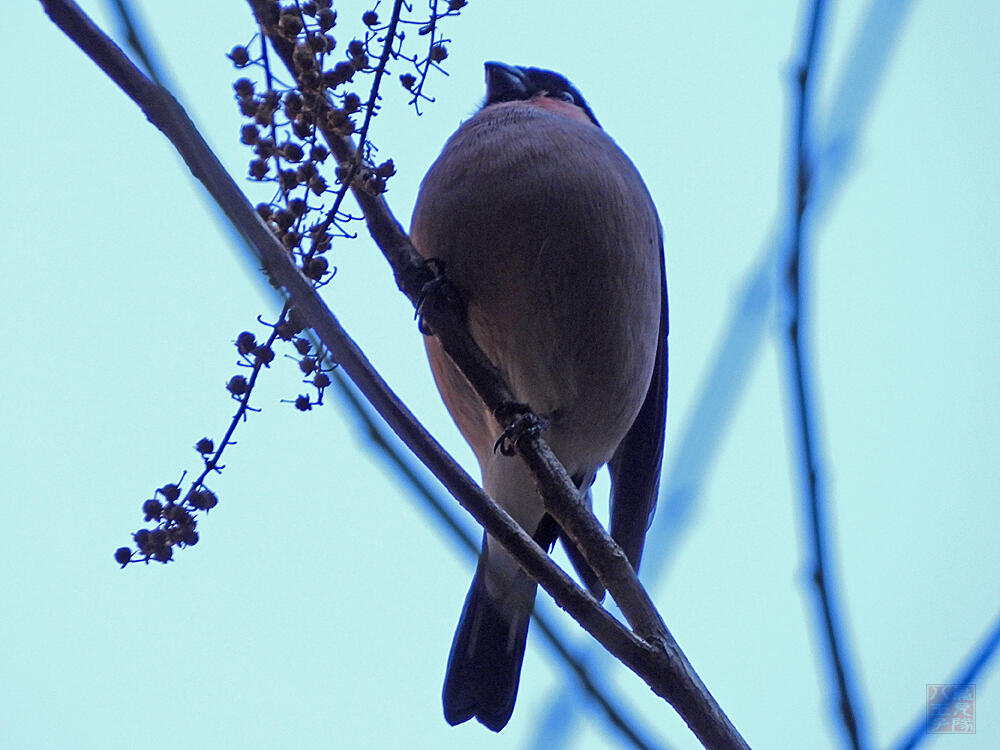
(504,83)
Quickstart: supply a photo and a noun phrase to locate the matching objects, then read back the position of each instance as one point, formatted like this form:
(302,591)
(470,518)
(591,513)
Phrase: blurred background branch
(801,390)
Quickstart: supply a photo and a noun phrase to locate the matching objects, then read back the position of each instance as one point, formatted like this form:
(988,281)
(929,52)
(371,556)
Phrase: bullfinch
(546,230)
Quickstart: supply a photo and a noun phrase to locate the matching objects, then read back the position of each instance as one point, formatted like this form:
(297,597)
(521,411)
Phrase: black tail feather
(484,666)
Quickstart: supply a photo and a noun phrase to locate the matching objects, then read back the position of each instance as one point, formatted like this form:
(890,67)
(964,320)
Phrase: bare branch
(800,390)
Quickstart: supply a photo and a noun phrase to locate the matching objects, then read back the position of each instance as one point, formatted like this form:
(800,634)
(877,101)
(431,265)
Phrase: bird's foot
(437,290)
(525,423)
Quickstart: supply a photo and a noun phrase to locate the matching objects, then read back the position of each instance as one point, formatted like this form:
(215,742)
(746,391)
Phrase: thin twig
(373,96)
(658,660)
(849,710)
(136,40)
(355,165)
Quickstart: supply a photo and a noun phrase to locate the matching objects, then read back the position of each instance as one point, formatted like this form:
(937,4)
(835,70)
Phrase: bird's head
(511,83)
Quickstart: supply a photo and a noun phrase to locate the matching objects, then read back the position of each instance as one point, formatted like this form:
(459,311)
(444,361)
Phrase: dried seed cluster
(174,520)
(288,128)
(173,512)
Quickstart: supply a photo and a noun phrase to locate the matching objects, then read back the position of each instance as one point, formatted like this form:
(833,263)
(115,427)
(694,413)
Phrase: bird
(547,232)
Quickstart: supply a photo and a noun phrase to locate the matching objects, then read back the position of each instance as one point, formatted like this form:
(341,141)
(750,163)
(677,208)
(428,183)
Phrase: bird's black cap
(511,83)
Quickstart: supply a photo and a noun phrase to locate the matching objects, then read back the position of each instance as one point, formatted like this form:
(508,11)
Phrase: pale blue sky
(319,606)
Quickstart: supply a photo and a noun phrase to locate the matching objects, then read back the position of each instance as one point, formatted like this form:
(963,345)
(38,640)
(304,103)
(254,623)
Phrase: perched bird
(546,229)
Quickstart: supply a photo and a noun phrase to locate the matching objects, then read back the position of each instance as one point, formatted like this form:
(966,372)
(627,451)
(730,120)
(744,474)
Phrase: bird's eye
(566,96)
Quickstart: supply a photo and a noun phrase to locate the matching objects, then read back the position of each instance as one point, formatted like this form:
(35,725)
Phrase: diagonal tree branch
(800,392)
(656,658)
